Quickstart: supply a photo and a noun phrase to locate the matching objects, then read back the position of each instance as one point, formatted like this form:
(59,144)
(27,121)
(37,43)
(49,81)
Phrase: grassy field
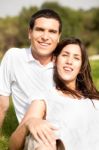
(11,121)
(95,72)
(9,126)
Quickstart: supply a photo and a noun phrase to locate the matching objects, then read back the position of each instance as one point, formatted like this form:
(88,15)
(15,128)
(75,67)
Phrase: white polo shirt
(22,76)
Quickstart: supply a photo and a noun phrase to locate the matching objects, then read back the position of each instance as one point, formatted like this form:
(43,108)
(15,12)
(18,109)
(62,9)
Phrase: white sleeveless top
(77,120)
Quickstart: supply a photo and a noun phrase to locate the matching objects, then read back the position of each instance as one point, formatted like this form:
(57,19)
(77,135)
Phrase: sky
(13,7)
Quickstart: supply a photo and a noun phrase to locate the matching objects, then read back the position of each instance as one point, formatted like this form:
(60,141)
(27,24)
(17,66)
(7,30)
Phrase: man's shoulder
(16,52)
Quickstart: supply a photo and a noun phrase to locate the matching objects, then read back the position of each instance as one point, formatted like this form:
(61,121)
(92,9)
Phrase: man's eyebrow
(53,30)
(39,28)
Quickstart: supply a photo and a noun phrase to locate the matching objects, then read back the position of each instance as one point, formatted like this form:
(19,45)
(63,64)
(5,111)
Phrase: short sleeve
(5,74)
(37,95)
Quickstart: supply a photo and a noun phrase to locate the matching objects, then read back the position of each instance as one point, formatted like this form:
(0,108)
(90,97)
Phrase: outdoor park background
(80,23)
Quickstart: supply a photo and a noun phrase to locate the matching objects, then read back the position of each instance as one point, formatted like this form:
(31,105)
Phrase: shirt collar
(30,58)
(29,55)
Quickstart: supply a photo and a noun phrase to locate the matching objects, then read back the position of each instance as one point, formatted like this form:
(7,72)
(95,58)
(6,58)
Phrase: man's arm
(4,105)
(18,137)
(33,123)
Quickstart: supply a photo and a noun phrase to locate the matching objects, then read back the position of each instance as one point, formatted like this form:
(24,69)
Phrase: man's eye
(39,29)
(53,31)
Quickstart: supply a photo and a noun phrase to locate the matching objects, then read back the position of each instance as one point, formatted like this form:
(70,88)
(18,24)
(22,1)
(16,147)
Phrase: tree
(23,21)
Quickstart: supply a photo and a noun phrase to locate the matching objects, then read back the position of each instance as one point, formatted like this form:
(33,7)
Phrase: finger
(36,136)
(53,126)
(50,137)
(50,129)
(42,136)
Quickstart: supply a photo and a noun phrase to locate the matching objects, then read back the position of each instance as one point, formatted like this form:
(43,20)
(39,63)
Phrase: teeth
(44,44)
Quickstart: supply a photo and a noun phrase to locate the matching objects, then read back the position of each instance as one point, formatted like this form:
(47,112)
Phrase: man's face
(44,37)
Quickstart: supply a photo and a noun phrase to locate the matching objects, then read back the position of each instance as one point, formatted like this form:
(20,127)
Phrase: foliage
(23,21)
(14,32)
(79,23)
(9,126)
(8,33)
(95,72)
(96,20)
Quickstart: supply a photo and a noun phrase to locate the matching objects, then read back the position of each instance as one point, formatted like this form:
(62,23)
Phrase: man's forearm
(4,105)
(18,137)
(31,123)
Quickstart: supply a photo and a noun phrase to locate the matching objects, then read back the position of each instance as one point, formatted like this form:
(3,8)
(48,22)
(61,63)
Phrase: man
(26,72)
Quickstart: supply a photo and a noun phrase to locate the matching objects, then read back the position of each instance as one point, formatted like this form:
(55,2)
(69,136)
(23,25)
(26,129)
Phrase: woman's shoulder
(96,103)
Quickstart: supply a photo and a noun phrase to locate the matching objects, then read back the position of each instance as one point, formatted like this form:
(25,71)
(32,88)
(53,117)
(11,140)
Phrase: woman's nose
(69,60)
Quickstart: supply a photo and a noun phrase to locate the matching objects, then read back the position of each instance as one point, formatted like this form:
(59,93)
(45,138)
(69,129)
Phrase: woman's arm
(32,122)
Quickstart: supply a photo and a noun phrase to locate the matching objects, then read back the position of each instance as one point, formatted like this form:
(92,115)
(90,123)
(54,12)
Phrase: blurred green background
(13,33)
(79,23)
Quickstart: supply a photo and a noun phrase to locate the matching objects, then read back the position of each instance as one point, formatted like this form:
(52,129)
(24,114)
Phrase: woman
(73,105)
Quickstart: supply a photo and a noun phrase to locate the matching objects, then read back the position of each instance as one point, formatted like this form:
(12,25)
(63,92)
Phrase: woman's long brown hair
(84,82)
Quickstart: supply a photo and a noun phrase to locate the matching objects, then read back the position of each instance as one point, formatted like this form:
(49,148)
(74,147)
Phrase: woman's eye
(77,58)
(64,55)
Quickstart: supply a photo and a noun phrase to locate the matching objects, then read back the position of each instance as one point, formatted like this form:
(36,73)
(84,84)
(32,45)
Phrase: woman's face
(69,64)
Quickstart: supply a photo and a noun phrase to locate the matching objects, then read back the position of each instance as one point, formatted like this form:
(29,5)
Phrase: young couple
(69,111)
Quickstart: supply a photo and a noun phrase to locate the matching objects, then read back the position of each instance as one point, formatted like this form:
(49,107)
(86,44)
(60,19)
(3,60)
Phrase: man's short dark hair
(46,13)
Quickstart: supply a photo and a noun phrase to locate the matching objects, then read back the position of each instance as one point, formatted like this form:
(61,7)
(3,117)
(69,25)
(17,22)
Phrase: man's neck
(44,60)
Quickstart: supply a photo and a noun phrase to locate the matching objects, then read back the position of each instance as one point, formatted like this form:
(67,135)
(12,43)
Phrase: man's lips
(44,44)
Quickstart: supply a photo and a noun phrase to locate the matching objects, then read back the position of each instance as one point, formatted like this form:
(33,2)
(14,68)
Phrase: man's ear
(59,37)
(54,59)
(29,33)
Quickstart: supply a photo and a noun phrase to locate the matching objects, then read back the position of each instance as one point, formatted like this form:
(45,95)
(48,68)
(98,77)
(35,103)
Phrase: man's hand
(42,131)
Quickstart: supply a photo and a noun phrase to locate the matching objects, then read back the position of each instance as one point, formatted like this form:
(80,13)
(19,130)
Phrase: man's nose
(45,36)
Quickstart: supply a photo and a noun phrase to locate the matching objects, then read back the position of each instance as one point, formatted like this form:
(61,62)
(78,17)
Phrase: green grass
(10,122)
(95,72)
